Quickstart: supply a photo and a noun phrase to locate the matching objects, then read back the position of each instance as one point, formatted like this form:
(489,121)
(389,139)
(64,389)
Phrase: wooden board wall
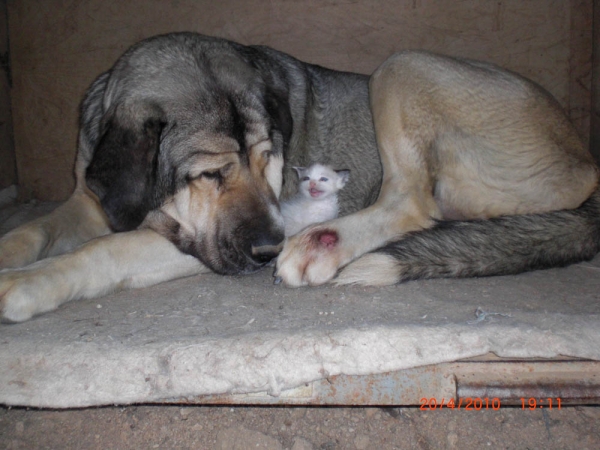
(8,172)
(595,97)
(59,46)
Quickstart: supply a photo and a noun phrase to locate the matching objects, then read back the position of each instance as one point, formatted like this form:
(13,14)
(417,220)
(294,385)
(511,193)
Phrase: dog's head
(191,145)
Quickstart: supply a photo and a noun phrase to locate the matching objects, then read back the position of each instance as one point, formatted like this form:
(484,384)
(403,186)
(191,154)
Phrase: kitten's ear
(299,170)
(343,177)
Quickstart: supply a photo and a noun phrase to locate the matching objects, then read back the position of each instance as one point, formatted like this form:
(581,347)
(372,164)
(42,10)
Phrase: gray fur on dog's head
(191,132)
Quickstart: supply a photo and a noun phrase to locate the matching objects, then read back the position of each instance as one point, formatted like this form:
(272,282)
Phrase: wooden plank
(580,66)
(8,170)
(59,47)
(595,95)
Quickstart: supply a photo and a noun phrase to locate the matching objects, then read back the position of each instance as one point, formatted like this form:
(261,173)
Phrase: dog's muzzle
(266,252)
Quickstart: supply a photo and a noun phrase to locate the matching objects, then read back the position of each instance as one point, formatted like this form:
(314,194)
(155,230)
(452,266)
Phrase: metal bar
(574,382)
(511,382)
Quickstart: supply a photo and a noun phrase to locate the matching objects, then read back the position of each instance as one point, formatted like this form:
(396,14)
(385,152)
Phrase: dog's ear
(276,95)
(123,170)
(278,108)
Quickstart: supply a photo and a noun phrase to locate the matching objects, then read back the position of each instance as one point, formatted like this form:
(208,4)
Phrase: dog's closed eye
(212,175)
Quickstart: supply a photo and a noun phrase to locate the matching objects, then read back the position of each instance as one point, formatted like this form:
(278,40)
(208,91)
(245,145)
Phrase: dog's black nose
(266,244)
(265,252)
(263,238)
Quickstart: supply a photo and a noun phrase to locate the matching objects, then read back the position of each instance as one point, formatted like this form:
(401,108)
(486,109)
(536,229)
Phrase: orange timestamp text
(539,403)
(467,404)
(477,404)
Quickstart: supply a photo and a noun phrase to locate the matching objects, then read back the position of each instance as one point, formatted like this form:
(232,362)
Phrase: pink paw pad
(327,238)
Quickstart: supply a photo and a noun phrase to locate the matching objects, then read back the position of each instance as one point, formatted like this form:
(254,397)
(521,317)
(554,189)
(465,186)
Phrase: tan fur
(378,269)
(457,140)
(76,221)
(144,256)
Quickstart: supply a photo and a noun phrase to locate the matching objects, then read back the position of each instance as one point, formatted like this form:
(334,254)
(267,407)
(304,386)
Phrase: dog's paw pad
(327,238)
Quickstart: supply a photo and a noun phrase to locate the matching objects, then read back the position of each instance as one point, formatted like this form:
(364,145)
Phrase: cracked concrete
(214,335)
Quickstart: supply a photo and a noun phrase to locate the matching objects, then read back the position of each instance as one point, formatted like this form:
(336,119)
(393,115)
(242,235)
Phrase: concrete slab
(211,335)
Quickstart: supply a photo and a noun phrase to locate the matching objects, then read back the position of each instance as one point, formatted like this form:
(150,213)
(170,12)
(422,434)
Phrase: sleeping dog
(187,144)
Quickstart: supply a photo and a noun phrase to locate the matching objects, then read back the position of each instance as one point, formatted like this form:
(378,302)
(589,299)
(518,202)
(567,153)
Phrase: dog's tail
(478,248)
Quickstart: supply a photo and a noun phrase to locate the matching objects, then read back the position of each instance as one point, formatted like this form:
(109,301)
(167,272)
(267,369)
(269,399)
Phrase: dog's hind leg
(498,246)
(506,154)
(122,260)
(76,221)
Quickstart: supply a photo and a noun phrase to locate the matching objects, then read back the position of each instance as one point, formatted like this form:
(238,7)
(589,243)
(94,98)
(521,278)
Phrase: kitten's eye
(305,178)
(323,179)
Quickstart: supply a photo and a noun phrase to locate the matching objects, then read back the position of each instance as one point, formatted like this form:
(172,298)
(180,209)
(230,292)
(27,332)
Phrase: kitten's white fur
(316,200)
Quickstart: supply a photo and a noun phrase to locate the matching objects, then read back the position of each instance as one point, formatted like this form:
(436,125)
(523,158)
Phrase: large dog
(187,143)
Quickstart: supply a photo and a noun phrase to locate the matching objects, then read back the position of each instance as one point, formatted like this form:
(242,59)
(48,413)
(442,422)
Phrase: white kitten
(316,200)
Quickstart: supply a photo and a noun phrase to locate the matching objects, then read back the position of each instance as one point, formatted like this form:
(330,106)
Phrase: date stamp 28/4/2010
(477,404)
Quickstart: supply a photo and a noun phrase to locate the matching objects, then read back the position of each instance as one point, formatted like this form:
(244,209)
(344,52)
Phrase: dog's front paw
(22,295)
(311,257)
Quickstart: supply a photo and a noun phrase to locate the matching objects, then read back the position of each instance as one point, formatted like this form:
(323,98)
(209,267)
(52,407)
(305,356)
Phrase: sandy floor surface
(298,428)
